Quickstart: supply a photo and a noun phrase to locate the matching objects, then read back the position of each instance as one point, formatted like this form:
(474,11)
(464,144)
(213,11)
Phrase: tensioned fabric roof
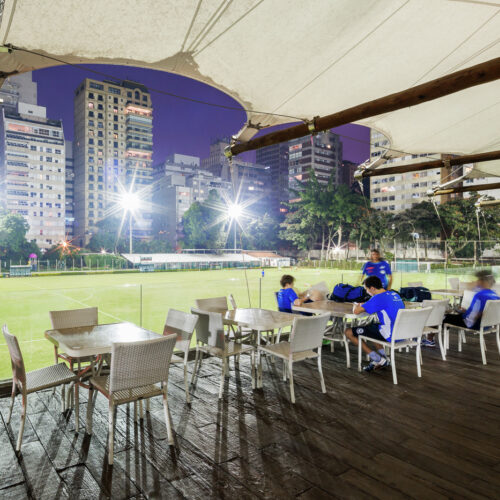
(289,57)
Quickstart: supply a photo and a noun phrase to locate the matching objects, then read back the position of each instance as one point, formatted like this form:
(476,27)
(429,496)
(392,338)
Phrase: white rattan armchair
(305,342)
(435,321)
(210,340)
(136,368)
(182,324)
(36,380)
(407,332)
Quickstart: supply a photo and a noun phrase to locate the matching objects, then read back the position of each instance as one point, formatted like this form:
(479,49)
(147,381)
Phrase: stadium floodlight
(103,251)
(234,212)
(130,202)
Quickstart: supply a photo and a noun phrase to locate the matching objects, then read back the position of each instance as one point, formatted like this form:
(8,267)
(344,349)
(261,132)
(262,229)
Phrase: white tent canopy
(289,57)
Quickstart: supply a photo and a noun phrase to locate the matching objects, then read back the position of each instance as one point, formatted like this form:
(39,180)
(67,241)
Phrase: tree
(108,236)
(262,233)
(13,243)
(203,223)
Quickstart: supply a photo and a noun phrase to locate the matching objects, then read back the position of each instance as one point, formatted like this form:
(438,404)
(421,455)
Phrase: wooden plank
(80,483)
(18,492)
(10,470)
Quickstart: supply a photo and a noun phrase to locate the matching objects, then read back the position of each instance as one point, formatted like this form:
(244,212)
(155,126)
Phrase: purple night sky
(179,126)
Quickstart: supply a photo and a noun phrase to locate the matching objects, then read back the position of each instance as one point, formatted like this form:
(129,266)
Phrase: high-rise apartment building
(276,158)
(398,192)
(16,89)
(179,182)
(321,153)
(69,215)
(32,171)
(249,180)
(113,145)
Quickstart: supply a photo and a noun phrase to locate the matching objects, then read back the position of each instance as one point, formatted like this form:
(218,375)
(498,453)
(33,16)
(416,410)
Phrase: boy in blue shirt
(287,296)
(471,318)
(379,268)
(386,305)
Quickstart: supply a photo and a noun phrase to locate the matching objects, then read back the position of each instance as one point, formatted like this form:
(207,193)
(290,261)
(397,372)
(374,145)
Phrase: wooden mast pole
(455,82)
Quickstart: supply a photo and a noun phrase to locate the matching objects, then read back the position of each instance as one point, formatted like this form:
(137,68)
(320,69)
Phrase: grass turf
(143,298)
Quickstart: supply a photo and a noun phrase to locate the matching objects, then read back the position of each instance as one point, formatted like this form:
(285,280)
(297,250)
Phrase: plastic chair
(407,332)
(216,304)
(136,368)
(210,340)
(36,380)
(490,323)
(183,325)
(435,321)
(305,342)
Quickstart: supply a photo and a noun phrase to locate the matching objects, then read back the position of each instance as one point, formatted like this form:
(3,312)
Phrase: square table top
(448,292)
(93,340)
(336,309)
(254,318)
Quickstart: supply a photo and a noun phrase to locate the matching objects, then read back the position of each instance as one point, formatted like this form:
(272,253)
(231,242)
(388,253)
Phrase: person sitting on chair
(287,296)
(471,318)
(386,304)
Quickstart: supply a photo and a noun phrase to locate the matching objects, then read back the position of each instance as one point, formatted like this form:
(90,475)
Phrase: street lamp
(234,211)
(130,202)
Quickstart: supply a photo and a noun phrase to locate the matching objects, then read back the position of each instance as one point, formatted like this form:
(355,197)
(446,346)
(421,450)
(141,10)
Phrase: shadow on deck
(434,437)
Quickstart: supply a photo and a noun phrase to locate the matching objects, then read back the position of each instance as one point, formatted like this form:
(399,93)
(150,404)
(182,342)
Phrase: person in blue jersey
(287,296)
(471,318)
(386,305)
(379,268)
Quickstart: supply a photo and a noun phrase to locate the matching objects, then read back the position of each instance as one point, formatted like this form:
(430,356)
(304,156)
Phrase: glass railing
(145,298)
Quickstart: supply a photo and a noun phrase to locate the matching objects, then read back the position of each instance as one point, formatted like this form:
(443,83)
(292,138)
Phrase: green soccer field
(143,298)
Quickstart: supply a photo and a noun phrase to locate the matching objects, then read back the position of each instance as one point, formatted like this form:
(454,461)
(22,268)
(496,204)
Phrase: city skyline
(180,126)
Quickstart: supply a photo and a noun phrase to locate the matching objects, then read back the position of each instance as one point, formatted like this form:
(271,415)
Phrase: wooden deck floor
(435,437)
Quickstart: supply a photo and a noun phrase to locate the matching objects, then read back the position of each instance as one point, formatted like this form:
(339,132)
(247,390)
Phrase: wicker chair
(36,380)
(210,340)
(73,318)
(435,321)
(183,325)
(305,343)
(219,303)
(136,368)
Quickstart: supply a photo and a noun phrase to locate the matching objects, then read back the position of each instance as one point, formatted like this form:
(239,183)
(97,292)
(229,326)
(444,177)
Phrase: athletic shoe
(428,343)
(375,366)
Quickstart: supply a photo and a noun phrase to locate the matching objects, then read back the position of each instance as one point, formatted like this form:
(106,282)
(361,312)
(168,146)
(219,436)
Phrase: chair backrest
(212,303)
(16,357)
(232,301)
(136,364)
(466,285)
(307,332)
(210,328)
(467,298)
(410,323)
(276,298)
(496,288)
(491,314)
(183,325)
(416,283)
(438,311)
(454,283)
(73,318)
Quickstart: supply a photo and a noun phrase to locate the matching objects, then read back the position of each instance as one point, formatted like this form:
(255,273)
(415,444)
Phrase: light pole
(130,202)
(234,212)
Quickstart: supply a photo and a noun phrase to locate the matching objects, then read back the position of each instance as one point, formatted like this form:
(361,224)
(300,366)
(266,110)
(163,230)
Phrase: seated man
(471,318)
(287,296)
(386,304)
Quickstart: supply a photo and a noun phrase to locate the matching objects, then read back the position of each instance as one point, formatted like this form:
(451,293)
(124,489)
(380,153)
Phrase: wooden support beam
(465,189)
(429,165)
(455,82)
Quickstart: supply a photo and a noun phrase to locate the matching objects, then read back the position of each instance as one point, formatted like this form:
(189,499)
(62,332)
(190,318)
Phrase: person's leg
(455,320)
(372,331)
(354,339)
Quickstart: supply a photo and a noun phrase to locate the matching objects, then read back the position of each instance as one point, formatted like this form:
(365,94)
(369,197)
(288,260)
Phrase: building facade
(32,172)
(276,158)
(16,89)
(179,182)
(69,215)
(113,145)
(321,153)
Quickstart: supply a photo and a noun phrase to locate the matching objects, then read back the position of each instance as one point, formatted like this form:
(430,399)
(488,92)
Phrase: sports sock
(375,356)
(382,352)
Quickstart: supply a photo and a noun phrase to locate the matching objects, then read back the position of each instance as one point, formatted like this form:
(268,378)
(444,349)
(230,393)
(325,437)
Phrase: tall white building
(32,171)
(16,89)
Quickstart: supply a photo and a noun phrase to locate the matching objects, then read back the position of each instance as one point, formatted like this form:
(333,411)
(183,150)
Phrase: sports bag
(415,293)
(343,292)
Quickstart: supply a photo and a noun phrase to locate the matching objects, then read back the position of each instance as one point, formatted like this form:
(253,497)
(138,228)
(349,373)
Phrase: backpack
(415,293)
(348,293)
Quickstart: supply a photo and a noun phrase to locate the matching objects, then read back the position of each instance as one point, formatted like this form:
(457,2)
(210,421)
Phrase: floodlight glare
(130,201)
(234,211)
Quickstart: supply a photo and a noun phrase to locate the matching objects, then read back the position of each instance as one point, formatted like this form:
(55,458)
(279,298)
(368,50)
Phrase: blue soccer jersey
(386,305)
(379,269)
(286,297)
(472,317)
